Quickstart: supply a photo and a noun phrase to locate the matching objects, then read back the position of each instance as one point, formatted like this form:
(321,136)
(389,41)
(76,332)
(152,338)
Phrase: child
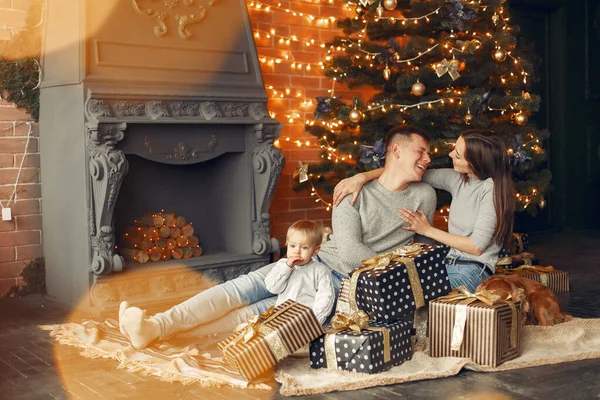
(300,278)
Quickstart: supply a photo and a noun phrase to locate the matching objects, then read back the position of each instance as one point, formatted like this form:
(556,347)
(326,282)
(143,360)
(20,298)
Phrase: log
(165,231)
(153,233)
(177,253)
(158,220)
(180,222)
(161,244)
(134,255)
(187,230)
(193,240)
(171,243)
(145,244)
(187,252)
(155,254)
(196,251)
(175,232)
(166,254)
(182,241)
(170,220)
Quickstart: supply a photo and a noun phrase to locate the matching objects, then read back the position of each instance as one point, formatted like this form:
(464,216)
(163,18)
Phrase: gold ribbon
(462,296)
(445,67)
(536,269)
(257,324)
(357,321)
(301,172)
(519,242)
(381,262)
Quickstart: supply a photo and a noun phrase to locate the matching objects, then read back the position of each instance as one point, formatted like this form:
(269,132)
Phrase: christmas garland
(20,70)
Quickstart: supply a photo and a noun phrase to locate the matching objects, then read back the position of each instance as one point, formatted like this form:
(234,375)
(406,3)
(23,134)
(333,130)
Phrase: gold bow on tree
(445,67)
(301,172)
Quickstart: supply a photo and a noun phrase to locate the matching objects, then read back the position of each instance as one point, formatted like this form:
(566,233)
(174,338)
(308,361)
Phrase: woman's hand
(347,186)
(416,220)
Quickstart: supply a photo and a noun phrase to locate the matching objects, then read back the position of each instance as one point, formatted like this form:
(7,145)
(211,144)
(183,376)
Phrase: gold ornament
(301,172)
(355,116)
(542,203)
(417,88)
(360,10)
(387,73)
(454,64)
(379,11)
(468,118)
(520,118)
(446,67)
(499,54)
(390,4)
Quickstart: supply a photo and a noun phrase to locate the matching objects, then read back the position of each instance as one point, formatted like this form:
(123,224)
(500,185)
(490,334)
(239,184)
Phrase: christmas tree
(444,66)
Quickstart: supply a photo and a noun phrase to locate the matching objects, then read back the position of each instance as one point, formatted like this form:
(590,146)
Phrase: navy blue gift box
(365,351)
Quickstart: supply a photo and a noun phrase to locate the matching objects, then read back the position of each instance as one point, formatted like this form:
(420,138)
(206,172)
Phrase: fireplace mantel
(114,88)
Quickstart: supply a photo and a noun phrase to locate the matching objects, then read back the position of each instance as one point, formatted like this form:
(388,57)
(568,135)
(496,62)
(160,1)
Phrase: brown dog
(539,305)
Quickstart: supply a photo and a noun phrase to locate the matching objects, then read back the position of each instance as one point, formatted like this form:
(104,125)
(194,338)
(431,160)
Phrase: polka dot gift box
(375,348)
(392,285)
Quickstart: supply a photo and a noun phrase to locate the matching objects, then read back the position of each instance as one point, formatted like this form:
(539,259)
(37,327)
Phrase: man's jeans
(223,307)
(464,274)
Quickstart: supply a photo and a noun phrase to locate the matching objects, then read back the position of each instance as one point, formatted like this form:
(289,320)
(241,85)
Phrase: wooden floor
(32,366)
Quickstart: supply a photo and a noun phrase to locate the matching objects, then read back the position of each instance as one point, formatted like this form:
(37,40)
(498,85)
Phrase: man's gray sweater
(372,226)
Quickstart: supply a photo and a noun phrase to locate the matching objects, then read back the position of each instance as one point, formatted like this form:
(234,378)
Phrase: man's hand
(347,186)
(416,220)
(292,261)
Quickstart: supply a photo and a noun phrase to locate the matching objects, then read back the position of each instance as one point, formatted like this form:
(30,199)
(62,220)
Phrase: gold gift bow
(443,67)
(519,241)
(256,325)
(381,262)
(536,269)
(465,297)
(357,321)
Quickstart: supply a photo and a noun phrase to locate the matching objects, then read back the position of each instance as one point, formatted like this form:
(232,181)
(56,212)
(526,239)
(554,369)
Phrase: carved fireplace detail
(118,104)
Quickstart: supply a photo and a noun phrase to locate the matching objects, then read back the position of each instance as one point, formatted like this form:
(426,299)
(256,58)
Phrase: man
(369,227)
(368,224)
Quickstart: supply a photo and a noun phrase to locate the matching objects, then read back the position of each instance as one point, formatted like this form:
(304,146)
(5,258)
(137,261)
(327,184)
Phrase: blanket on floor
(195,360)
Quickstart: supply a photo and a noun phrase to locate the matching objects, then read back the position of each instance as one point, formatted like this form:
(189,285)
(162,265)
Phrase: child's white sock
(134,325)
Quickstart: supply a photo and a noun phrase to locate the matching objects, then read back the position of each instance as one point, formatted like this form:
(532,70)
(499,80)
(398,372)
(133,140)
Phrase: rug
(195,360)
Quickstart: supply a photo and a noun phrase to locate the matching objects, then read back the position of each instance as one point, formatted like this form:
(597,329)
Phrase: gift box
(370,347)
(517,260)
(521,242)
(553,279)
(257,346)
(521,245)
(392,285)
(478,326)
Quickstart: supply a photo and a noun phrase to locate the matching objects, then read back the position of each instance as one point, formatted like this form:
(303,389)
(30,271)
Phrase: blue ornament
(373,155)
(520,154)
(458,14)
(324,104)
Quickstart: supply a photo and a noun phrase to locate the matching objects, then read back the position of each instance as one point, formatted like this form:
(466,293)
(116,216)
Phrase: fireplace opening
(213,195)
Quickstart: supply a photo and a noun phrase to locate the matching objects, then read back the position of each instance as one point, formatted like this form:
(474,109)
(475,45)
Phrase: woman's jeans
(223,307)
(461,273)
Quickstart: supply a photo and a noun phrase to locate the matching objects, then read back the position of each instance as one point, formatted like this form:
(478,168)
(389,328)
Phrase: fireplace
(185,130)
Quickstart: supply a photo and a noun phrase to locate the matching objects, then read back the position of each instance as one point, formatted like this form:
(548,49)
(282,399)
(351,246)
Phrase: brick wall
(20,238)
(287,205)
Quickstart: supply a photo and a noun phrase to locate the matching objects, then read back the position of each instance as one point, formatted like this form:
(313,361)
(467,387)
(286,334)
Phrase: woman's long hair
(486,154)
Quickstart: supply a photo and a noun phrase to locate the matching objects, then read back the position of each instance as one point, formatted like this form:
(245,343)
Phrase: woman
(481,212)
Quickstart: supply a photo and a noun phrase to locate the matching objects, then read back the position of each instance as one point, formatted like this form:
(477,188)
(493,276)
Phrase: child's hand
(292,261)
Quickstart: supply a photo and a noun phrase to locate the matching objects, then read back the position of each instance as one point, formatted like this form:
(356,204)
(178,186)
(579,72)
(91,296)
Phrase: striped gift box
(553,279)
(487,332)
(278,333)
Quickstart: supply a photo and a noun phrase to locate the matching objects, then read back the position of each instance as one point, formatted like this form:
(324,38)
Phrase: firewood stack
(160,236)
